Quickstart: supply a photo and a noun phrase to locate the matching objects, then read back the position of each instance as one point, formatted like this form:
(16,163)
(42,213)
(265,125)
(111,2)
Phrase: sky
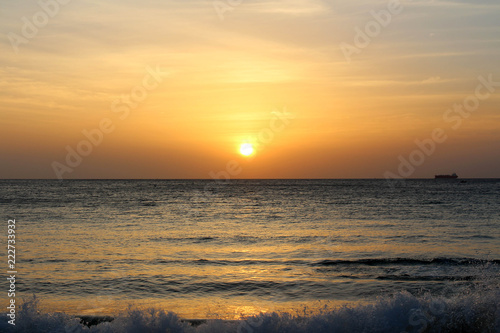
(320,89)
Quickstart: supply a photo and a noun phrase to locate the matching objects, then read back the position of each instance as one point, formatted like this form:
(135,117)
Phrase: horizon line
(230,179)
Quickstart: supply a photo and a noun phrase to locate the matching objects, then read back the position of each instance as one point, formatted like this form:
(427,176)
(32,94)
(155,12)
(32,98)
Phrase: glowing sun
(246,149)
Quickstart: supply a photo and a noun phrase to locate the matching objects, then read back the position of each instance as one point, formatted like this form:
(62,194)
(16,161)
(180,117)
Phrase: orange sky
(183,84)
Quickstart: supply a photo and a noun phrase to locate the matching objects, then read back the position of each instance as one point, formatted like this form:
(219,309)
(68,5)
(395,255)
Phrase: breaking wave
(473,311)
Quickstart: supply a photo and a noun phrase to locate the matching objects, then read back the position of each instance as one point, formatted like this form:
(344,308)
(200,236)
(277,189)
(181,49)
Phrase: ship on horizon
(452,176)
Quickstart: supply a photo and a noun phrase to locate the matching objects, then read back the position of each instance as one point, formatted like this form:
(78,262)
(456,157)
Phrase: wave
(227,262)
(168,288)
(477,311)
(410,262)
(285,262)
(407,277)
(340,262)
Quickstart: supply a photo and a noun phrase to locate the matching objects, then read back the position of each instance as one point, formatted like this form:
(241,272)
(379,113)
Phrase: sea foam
(473,311)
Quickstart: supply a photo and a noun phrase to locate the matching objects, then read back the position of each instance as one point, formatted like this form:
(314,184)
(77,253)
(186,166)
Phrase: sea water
(263,255)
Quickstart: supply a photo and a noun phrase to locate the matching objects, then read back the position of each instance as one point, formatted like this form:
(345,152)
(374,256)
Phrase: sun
(246,149)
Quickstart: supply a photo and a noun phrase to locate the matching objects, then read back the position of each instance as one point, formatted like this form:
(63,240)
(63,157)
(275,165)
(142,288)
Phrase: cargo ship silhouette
(453,176)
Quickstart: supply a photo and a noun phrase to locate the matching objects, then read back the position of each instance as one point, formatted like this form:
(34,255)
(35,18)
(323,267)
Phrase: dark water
(207,250)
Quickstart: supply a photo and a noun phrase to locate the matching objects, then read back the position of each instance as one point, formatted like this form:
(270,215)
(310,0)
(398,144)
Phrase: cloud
(431,80)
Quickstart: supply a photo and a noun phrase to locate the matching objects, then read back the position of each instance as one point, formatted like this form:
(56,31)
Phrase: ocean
(254,255)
